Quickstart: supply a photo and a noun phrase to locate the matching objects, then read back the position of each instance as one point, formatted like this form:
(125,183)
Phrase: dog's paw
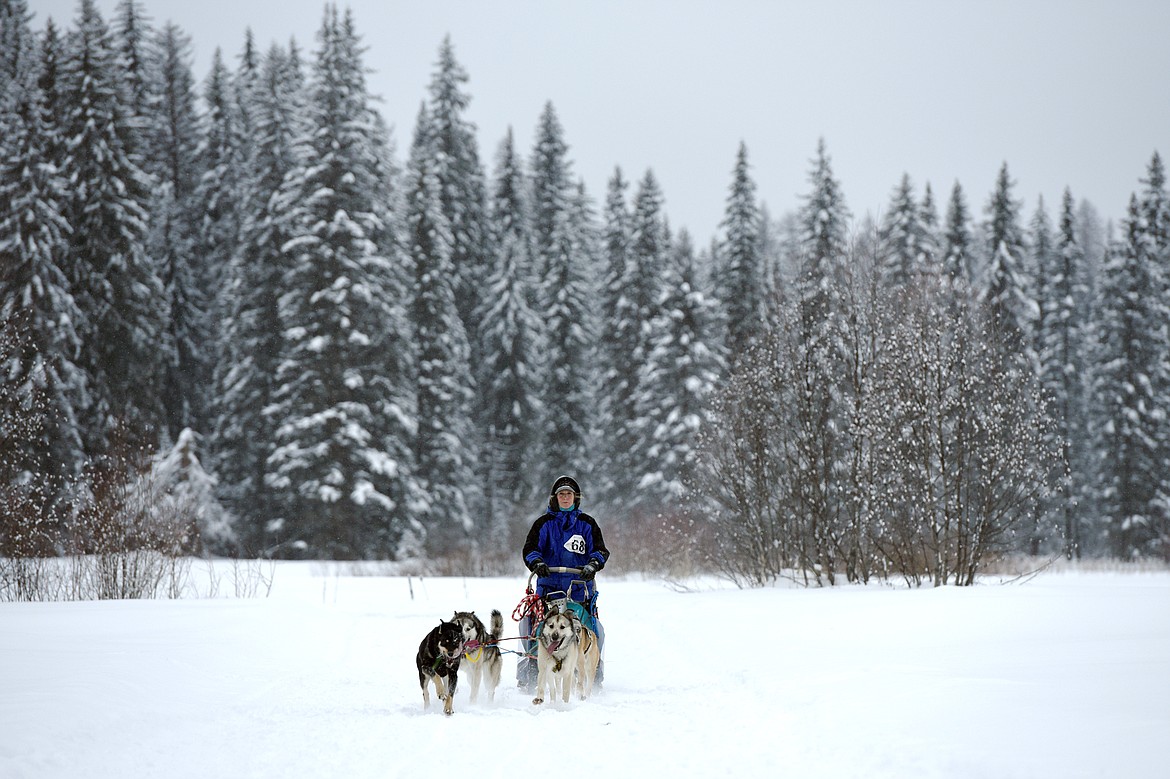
(537,701)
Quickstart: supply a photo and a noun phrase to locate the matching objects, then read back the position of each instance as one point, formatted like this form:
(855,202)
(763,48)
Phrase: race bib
(576,544)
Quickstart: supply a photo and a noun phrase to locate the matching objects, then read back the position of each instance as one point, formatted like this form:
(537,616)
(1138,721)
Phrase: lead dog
(557,655)
(438,661)
(481,655)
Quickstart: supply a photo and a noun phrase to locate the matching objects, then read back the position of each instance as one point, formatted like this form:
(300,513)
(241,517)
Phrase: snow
(1065,675)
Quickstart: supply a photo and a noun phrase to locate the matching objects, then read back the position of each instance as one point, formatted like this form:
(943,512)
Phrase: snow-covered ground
(1067,675)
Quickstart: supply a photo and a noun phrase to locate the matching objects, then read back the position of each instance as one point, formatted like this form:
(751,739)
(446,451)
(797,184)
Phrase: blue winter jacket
(566,539)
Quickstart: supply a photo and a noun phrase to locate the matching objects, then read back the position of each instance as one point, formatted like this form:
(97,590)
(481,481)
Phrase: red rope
(531,605)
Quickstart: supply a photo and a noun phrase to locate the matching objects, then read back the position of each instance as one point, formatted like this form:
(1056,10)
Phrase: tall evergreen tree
(252,332)
(743,275)
(957,241)
(337,458)
(551,190)
(1065,371)
(630,336)
(173,127)
(508,376)
(444,377)
(1008,292)
(824,224)
(39,376)
(114,280)
(905,246)
(678,377)
(567,318)
(1132,471)
(137,65)
(461,181)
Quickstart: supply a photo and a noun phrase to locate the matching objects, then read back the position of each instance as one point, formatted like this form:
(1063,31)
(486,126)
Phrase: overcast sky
(1067,92)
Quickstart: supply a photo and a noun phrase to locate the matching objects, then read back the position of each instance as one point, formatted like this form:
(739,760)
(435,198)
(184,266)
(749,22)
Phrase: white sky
(1067,92)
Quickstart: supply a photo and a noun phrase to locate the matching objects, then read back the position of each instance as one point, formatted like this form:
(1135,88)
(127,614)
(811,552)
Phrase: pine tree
(508,376)
(221,188)
(1008,293)
(114,281)
(442,353)
(551,192)
(1131,467)
(634,313)
(338,459)
(137,65)
(743,275)
(905,250)
(957,242)
(678,377)
(824,221)
(1064,371)
(252,342)
(42,389)
(568,319)
(461,182)
(173,127)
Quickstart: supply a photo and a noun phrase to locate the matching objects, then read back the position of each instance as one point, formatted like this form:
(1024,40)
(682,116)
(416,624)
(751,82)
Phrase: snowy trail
(1066,676)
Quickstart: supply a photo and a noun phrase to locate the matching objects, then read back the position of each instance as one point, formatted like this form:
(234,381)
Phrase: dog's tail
(497,628)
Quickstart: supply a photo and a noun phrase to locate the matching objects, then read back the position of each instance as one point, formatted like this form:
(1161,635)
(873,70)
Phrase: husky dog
(438,662)
(588,659)
(557,655)
(481,655)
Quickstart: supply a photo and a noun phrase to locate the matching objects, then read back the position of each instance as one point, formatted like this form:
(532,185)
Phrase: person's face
(565,499)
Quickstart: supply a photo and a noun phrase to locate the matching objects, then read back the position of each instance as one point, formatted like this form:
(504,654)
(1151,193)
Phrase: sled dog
(481,655)
(557,655)
(438,662)
(588,659)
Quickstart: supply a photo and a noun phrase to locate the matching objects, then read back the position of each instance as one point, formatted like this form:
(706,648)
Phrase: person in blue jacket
(565,537)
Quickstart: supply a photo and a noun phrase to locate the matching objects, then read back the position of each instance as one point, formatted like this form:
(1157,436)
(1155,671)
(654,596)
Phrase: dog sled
(531,611)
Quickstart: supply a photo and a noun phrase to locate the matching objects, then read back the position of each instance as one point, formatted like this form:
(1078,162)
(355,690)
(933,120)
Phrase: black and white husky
(481,653)
(558,651)
(438,661)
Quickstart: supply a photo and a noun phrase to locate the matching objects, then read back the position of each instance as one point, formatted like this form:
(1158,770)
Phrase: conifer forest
(242,319)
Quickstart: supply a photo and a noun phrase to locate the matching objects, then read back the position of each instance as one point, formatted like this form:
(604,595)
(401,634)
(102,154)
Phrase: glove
(541,569)
(590,570)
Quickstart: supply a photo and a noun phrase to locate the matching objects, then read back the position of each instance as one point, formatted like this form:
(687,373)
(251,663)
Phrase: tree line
(368,357)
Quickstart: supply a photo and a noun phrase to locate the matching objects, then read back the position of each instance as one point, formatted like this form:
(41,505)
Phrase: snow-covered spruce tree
(552,188)
(17,45)
(461,184)
(186,497)
(905,244)
(1130,366)
(678,377)
(252,333)
(817,448)
(631,324)
(42,389)
(443,448)
(339,462)
(566,370)
(173,129)
(824,224)
(114,281)
(1041,247)
(1065,371)
(957,244)
(138,65)
(508,376)
(1008,291)
(223,154)
(742,275)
